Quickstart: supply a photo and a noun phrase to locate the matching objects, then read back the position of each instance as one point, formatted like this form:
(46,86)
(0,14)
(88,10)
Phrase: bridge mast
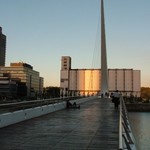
(104,70)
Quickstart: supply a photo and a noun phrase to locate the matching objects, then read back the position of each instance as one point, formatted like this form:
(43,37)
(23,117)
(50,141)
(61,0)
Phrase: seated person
(70,105)
(74,104)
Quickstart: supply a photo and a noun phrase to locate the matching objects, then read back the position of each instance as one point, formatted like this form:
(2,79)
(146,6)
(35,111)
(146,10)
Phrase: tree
(51,92)
(145,92)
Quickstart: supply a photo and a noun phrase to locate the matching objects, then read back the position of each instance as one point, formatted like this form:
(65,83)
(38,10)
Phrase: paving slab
(94,126)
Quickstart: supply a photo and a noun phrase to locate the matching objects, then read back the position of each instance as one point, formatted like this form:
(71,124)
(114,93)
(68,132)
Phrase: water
(140,123)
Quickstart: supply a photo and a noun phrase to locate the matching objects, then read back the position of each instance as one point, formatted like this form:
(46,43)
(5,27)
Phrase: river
(140,124)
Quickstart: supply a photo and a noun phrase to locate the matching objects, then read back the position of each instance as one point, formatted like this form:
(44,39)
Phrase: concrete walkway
(94,126)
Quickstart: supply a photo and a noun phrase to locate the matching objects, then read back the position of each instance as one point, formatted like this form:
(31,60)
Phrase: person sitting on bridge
(70,105)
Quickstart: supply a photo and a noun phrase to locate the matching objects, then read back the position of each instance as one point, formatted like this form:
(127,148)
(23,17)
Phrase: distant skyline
(40,32)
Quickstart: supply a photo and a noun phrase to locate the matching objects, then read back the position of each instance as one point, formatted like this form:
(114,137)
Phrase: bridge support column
(104,70)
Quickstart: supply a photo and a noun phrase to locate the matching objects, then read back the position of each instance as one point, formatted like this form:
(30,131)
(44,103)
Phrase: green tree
(51,92)
(145,92)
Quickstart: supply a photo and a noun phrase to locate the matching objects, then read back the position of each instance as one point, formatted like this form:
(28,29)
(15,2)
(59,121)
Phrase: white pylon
(104,70)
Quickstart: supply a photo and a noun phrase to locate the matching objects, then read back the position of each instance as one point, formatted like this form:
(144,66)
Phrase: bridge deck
(94,127)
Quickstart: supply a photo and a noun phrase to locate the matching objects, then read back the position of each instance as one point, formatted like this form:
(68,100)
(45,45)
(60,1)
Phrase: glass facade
(27,75)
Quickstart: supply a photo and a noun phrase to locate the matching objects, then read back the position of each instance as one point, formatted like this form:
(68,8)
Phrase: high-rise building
(65,63)
(2,48)
(65,67)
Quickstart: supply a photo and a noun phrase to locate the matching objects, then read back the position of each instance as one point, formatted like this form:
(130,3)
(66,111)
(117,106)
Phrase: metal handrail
(120,129)
(126,137)
(10,107)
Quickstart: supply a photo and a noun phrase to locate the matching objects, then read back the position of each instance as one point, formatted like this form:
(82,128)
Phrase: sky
(40,32)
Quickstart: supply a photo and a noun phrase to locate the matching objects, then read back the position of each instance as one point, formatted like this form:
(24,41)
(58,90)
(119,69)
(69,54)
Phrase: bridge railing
(10,107)
(126,137)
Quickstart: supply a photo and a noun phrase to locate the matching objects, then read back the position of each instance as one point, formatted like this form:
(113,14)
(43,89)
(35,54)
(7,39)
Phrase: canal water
(140,124)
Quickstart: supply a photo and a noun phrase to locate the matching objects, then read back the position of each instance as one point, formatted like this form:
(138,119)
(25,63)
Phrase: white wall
(128,80)
(10,118)
(136,82)
(120,80)
(112,80)
(84,80)
(96,80)
(21,115)
(73,80)
(80,80)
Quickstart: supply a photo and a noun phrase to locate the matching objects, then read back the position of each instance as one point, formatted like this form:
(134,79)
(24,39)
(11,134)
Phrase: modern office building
(27,76)
(8,87)
(41,83)
(87,81)
(2,48)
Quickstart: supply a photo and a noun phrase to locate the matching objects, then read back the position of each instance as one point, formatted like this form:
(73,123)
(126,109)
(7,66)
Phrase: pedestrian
(102,95)
(68,104)
(112,97)
(116,99)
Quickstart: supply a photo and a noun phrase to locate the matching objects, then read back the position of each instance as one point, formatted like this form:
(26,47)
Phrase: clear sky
(39,32)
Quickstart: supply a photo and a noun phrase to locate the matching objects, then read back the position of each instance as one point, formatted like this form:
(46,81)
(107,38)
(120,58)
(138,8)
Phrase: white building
(87,81)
